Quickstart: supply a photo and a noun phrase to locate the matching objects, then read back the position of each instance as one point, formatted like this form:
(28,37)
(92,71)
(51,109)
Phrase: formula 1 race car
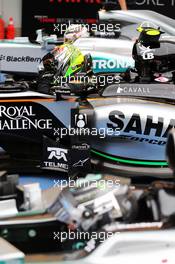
(24,57)
(110,53)
(126,131)
(124,125)
(130,19)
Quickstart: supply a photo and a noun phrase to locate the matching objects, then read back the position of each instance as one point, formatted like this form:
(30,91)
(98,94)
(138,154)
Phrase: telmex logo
(57,153)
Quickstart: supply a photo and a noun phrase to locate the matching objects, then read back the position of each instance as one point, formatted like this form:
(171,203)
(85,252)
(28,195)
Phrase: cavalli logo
(119,90)
(146,52)
(126,89)
(58,153)
(21,117)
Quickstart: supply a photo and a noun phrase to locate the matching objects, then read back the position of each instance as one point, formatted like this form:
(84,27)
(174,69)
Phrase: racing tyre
(170,149)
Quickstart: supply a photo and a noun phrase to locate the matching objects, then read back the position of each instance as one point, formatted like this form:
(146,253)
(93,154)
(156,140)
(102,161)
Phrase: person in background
(111,5)
(123,4)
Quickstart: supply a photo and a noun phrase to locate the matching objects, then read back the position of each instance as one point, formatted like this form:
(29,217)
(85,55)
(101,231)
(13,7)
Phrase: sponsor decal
(141,90)
(120,90)
(80,157)
(135,124)
(80,120)
(143,139)
(57,158)
(155,2)
(80,163)
(83,146)
(58,153)
(20,58)
(146,52)
(21,117)
(106,64)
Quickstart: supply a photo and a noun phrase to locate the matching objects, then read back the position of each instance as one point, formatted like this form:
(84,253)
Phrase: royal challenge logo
(21,118)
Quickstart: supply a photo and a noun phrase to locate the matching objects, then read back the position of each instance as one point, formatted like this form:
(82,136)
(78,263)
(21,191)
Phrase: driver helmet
(149,32)
(149,28)
(74,32)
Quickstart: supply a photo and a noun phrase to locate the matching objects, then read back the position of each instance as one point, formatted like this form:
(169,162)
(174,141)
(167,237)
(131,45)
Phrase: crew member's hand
(123,4)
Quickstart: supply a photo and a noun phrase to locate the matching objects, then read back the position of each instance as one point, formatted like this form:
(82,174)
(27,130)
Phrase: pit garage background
(43,14)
